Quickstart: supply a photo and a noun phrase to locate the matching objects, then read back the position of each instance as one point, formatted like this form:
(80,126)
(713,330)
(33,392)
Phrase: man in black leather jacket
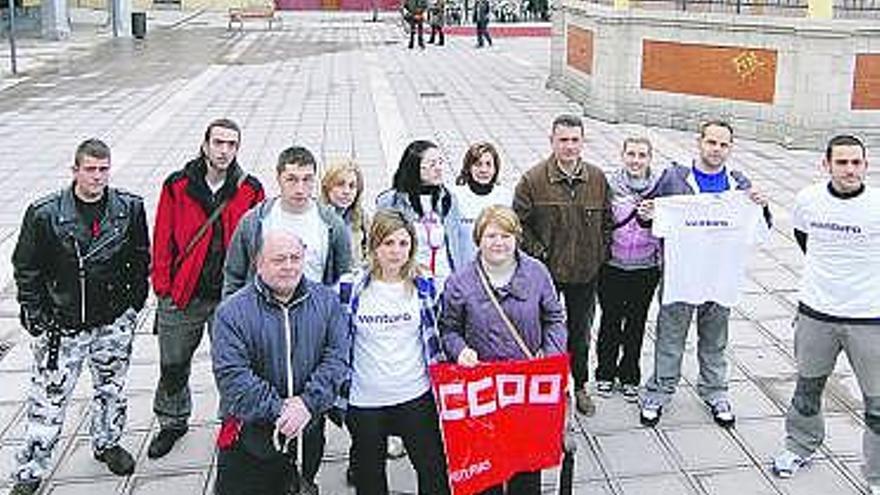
(81,265)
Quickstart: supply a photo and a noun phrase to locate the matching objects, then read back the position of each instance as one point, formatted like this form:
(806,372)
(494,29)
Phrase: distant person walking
(414,13)
(437,18)
(482,10)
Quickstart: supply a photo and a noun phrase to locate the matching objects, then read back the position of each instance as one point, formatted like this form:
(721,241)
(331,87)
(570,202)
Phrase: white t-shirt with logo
(387,360)
(707,239)
(309,227)
(470,205)
(841,275)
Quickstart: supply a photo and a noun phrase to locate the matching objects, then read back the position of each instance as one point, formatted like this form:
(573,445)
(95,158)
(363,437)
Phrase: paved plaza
(346,87)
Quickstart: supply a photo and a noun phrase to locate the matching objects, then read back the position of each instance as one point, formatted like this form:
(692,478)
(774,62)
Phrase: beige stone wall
(789,81)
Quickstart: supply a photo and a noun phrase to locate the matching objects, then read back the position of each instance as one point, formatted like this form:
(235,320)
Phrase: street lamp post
(12,54)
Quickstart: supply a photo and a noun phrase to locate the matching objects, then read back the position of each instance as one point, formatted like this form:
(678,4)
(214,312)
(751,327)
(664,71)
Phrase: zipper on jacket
(104,243)
(81,272)
(288,358)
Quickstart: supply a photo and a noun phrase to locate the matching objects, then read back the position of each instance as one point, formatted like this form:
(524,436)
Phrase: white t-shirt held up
(707,239)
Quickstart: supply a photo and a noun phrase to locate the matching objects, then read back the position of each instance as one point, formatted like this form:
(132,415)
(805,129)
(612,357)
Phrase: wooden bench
(238,15)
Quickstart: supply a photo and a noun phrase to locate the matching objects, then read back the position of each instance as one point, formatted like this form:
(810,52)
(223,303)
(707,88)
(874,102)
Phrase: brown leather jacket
(566,221)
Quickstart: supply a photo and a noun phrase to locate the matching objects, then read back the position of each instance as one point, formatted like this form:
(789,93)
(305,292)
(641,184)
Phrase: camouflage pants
(107,350)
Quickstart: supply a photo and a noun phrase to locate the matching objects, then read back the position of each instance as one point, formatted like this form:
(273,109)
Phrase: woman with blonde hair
(394,340)
(342,187)
(477,186)
(502,306)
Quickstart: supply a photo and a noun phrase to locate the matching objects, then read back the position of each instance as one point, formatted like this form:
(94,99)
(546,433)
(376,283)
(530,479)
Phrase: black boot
(117,459)
(162,443)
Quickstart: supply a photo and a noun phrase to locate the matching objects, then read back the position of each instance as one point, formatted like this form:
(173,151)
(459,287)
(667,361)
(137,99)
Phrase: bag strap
(207,223)
(509,324)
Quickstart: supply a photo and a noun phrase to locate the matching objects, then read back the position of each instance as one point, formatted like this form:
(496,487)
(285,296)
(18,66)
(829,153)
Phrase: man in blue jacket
(280,352)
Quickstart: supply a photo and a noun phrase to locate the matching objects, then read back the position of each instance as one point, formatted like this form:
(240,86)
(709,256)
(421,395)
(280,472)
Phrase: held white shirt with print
(387,360)
(842,266)
(707,240)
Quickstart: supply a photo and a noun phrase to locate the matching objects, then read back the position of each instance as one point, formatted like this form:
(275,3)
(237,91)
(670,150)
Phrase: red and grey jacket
(184,205)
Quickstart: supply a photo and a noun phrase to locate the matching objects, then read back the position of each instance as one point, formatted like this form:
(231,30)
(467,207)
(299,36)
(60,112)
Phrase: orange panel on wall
(866,82)
(580,49)
(730,72)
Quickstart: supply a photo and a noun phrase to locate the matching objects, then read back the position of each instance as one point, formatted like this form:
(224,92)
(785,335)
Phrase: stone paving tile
(655,485)
(702,448)
(751,401)
(101,486)
(164,484)
(735,482)
(617,451)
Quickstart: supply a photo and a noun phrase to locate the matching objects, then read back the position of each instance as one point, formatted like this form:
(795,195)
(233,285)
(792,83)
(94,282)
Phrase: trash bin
(139,24)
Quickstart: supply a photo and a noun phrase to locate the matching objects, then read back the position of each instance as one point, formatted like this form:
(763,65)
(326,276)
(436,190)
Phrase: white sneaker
(650,412)
(395,447)
(604,388)
(787,463)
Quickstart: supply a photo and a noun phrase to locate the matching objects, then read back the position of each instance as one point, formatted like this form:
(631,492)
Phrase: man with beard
(199,208)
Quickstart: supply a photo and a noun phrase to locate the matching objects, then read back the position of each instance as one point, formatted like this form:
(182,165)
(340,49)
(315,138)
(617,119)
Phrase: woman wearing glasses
(394,339)
(418,192)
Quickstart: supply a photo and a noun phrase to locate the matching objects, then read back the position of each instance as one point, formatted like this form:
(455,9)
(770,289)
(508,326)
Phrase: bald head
(280,262)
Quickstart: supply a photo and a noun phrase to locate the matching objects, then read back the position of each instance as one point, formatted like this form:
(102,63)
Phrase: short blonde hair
(502,216)
(386,222)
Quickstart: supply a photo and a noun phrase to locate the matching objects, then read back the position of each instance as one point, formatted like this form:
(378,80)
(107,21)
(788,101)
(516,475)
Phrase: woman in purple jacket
(472,329)
(628,279)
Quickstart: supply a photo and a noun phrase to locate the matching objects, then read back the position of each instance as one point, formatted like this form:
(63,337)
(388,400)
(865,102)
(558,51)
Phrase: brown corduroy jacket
(566,221)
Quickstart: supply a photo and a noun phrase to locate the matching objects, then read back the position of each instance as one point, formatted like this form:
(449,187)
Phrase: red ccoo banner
(500,418)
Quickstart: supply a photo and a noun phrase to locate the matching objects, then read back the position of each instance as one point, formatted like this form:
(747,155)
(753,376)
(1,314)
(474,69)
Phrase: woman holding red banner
(394,339)
(502,306)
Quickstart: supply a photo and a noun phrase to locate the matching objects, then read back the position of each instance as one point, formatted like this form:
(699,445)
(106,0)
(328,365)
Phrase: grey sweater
(241,255)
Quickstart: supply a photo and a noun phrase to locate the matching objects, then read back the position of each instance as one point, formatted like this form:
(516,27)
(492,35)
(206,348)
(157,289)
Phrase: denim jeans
(180,331)
(673,323)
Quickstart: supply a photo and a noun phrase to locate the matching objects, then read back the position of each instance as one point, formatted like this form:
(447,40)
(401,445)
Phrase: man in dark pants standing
(482,10)
(81,265)
(565,211)
(199,208)
(415,11)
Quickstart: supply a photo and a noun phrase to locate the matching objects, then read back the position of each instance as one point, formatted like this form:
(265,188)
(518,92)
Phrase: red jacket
(184,205)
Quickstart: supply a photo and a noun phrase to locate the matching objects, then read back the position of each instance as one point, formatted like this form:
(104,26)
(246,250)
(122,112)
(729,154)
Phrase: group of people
(417,12)
(317,310)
